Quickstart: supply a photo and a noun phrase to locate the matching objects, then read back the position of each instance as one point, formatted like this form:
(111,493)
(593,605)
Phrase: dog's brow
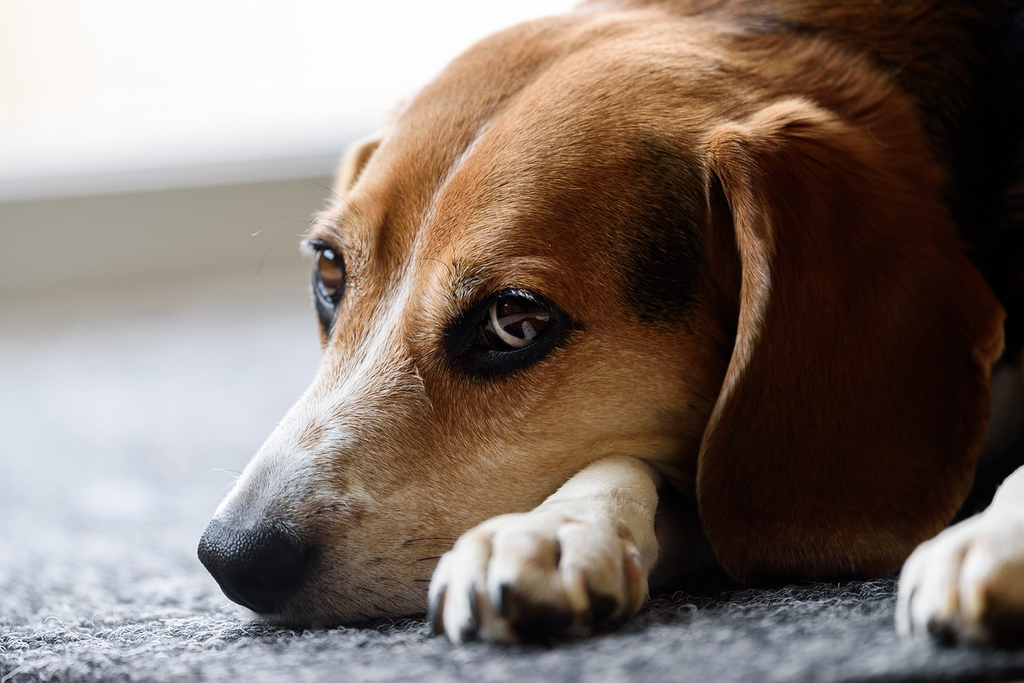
(463,281)
(470,281)
(331,223)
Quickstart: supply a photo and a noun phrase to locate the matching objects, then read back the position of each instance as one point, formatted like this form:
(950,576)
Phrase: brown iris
(330,273)
(514,322)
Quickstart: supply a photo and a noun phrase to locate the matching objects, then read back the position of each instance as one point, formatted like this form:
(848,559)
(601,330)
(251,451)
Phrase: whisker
(278,225)
(234,473)
(447,266)
(277,239)
(405,586)
(305,181)
(316,219)
(435,539)
(390,611)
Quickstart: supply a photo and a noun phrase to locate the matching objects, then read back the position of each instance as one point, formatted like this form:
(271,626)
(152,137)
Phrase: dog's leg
(968,582)
(579,560)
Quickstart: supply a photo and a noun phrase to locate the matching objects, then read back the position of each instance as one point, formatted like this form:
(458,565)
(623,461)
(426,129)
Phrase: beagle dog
(649,285)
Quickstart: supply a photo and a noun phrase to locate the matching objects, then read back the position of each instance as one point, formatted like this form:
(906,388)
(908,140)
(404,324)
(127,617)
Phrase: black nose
(257,566)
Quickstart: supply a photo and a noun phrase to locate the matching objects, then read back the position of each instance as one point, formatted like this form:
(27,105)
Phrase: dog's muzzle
(257,565)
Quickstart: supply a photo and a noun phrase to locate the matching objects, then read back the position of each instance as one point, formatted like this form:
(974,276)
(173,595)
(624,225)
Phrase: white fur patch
(593,540)
(350,403)
(968,582)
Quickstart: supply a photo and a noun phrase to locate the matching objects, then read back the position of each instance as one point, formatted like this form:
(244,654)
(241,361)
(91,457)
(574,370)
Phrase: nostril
(257,566)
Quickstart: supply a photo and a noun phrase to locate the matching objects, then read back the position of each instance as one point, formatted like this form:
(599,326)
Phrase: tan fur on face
(626,166)
(391,445)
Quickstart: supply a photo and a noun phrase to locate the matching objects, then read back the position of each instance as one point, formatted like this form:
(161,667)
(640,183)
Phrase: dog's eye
(506,333)
(329,275)
(514,322)
(328,282)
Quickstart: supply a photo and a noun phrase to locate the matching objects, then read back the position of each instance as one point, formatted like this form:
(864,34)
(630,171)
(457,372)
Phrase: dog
(652,285)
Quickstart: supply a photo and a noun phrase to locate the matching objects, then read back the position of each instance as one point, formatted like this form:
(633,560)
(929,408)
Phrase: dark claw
(500,599)
(942,634)
(910,609)
(531,621)
(469,629)
(435,611)
(601,606)
(468,632)
(474,606)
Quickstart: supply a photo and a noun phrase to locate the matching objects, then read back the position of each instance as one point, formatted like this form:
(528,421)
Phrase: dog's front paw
(537,575)
(967,584)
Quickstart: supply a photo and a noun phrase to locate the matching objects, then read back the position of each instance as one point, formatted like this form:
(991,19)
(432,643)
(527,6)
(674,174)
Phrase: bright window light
(116,95)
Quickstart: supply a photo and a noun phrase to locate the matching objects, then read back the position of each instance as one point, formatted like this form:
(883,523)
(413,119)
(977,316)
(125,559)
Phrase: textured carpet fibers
(117,410)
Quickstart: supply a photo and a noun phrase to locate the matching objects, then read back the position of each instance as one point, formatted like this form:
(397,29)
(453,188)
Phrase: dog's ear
(856,396)
(354,161)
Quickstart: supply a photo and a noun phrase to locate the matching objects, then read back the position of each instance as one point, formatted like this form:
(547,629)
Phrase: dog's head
(601,235)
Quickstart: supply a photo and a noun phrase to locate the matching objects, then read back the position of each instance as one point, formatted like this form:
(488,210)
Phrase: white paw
(535,575)
(967,583)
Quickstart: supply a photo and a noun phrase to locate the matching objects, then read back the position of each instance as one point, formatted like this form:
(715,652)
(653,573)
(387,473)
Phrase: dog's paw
(967,584)
(537,575)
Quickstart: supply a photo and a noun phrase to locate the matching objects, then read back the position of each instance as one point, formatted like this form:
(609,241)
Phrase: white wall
(139,138)
(114,95)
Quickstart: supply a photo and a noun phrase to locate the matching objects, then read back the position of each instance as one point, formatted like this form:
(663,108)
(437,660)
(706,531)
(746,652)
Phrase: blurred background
(158,161)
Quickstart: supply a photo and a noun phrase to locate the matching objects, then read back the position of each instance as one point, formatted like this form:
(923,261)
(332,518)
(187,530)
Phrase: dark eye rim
(462,338)
(325,303)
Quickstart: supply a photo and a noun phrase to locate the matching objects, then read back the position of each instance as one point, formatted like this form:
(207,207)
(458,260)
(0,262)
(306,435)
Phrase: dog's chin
(302,621)
(315,609)
(313,623)
(294,619)
(296,622)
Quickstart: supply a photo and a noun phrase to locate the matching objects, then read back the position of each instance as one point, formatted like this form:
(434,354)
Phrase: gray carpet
(120,412)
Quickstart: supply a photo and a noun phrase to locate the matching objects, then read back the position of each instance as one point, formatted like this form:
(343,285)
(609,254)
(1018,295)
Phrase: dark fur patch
(985,142)
(664,259)
(534,621)
(988,171)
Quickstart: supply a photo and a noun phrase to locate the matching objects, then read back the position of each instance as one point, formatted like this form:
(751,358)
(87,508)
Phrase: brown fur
(748,209)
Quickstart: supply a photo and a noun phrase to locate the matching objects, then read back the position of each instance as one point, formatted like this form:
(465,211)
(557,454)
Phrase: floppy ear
(354,161)
(856,398)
